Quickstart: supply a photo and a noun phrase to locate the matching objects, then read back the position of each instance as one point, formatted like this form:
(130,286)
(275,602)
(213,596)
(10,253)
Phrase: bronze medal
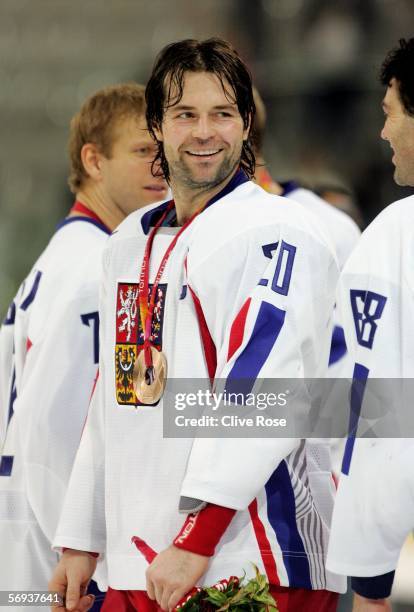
(149,382)
(150,371)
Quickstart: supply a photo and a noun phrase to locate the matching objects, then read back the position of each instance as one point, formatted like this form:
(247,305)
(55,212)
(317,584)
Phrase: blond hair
(96,122)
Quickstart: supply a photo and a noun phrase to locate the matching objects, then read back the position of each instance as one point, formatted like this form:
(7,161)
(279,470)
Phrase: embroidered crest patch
(129,336)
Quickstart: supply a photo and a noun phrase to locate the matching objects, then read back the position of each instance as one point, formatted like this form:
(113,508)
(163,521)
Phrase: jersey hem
(205,493)
(360,571)
(78,544)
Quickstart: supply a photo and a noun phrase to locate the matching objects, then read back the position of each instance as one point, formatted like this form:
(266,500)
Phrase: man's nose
(203,128)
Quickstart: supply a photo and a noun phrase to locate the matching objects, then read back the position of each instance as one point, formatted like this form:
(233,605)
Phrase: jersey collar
(150,218)
(288,187)
(88,216)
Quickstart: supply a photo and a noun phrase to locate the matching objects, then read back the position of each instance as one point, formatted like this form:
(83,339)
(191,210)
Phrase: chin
(212,176)
(152,198)
(401,180)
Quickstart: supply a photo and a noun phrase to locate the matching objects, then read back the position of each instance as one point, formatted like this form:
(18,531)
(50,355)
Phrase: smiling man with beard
(221,274)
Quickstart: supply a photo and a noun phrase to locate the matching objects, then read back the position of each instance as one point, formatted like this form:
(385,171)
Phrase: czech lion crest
(129,336)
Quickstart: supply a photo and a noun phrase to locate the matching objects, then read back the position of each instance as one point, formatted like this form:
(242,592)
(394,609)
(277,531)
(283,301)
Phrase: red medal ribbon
(84,210)
(146,309)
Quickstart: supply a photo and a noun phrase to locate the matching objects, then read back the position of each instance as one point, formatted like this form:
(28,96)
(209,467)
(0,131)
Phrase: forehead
(129,127)
(203,89)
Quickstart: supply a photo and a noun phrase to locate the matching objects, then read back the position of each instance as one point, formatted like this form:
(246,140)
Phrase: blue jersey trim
(238,179)
(244,372)
(11,315)
(150,218)
(29,299)
(338,345)
(13,395)
(359,381)
(100,226)
(281,512)
(288,187)
(6,465)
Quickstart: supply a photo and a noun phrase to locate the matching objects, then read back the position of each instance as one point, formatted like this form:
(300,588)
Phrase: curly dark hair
(399,65)
(213,55)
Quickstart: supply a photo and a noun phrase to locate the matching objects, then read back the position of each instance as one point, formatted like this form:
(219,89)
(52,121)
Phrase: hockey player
(49,339)
(374,508)
(343,231)
(221,273)
(338,226)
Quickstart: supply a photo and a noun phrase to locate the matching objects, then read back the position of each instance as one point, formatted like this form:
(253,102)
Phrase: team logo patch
(129,336)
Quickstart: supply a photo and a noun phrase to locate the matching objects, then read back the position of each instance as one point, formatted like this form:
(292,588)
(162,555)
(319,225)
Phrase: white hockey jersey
(49,356)
(127,479)
(374,508)
(344,234)
(339,228)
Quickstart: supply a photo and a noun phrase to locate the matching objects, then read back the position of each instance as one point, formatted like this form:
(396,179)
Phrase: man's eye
(146,151)
(223,114)
(185,115)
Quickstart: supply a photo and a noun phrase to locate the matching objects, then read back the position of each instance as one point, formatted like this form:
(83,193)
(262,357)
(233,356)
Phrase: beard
(181,172)
(404,176)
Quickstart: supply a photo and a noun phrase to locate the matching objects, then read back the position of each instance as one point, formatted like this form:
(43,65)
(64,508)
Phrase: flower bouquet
(232,595)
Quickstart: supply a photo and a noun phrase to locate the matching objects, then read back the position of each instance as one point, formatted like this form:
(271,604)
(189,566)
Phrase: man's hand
(172,574)
(362,604)
(71,578)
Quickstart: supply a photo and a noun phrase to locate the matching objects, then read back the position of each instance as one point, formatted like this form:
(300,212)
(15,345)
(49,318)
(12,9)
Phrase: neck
(188,200)
(110,216)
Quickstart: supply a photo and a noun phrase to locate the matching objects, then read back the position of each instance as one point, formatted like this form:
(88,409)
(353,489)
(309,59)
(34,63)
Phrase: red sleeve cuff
(93,554)
(202,532)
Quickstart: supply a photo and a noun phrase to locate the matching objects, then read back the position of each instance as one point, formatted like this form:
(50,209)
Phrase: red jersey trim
(208,344)
(264,545)
(237,329)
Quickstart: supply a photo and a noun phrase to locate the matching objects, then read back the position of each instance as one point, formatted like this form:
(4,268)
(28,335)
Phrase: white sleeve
(82,522)
(263,328)
(52,404)
(374,506)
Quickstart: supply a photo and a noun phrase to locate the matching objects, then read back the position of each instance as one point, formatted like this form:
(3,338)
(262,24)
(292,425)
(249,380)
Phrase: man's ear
(91,160)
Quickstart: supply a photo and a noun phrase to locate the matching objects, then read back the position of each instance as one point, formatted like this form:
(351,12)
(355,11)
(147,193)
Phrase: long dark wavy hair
(213,55)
